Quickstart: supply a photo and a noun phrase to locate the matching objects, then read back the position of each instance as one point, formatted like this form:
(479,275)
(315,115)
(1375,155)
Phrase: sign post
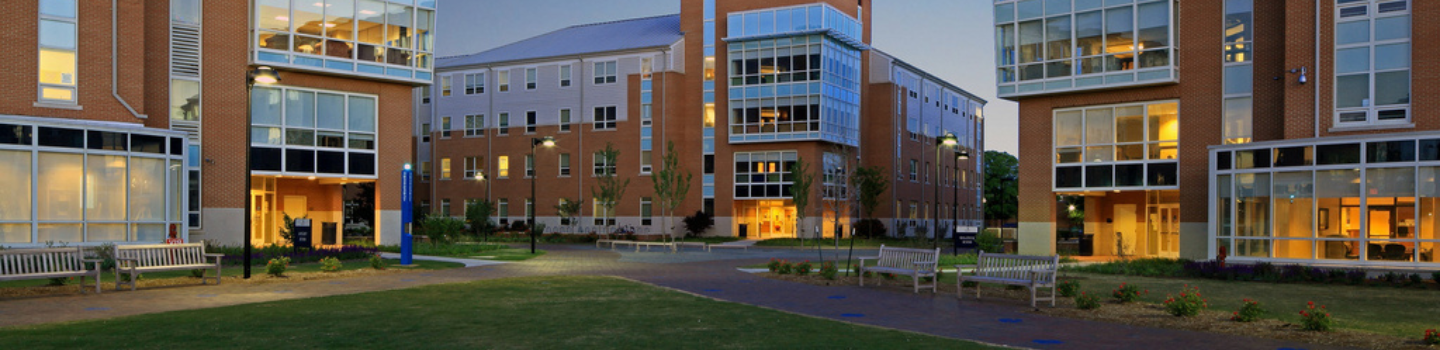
(407,214)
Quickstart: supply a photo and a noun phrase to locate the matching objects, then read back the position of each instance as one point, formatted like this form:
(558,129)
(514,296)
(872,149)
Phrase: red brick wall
(93,78)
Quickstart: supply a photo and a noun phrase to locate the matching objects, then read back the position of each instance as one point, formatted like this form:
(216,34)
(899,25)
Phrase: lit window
(444,168)
(503,163)
(502,78)
(57,51)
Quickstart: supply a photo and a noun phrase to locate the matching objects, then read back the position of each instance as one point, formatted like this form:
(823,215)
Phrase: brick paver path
(709,274)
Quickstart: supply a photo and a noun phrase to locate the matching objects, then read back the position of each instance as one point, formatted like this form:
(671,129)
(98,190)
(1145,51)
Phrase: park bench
(727,246)
(1033,272)
(137,259)
(648,245)
(702,245)
(42,263)
(915,263)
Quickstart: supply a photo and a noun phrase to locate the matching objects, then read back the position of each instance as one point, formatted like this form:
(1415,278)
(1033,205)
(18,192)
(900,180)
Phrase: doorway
(1164,230)
(263,225)
(1124,228)
(767,219)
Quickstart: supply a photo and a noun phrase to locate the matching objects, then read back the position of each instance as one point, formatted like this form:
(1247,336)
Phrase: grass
(491,251)
(1149,267)
(1400,312)
(711,240)
(236,271)
(859,243)
(515,313)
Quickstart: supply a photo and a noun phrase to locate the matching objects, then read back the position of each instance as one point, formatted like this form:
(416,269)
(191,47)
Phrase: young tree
(1001,188)
(838,192)
(608,189)
(569,209)
(477,214)
(803,181)
(870,183)
(672,184)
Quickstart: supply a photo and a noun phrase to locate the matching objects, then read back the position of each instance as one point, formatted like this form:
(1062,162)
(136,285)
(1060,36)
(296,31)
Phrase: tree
(800,192)
(870,183)
(1001,188)
(569,209)
(477,214)
(672,184)
(698,223)
(609,189)
(363,207)
(838,191)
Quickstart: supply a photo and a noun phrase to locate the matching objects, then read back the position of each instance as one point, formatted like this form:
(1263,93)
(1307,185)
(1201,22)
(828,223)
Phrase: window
(371,32)
(474,166)
(604,72)
(1372,63)
(647,66)
(445,127)
(1037,40)
(604,118)
(645,211)
(57,51)
(709,116)
(503,209)
(564,75)
(764,174)
(602,166)
(645,165)
(529,211)
(504,128)
(184,100)
(565,120)
(425,171)
(564,164)
(425,95)
(299,132)
(475,125)
(603,216)
(502,78)
(445,207)
(530,79)
(529,165)
(475,83)
(1125,145)
(445,85)
(444,168)
(530,122)
(1238,71)
(913,171)
(503,163)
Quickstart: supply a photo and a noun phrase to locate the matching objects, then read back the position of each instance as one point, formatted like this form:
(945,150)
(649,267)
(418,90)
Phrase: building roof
(628,34)
(926,75)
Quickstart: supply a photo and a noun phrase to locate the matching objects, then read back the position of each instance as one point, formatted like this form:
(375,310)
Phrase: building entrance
(263,225)
(766,219)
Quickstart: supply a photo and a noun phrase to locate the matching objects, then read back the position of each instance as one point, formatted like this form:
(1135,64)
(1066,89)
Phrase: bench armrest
(216,255)
(92,260)
(1037,274)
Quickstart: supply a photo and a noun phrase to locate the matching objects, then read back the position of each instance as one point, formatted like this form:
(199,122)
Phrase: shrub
(376,262)
(441,228)
(1355,277)
(276,267)
(1087,301)
(1432,337)
(969,284)
(1068,288)
(330,264)
(1435,276)
(1250,311)
(1415,280)
(1316,319)
(1014,287)
(803,268)
(197,273)
(1189,303)
(785,267)
(989,242)
(829,270)
(698,223)
(869,229)
(773,265)
(1127,293)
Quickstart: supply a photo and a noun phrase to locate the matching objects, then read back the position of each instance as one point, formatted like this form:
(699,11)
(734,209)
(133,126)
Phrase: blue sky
(952,39)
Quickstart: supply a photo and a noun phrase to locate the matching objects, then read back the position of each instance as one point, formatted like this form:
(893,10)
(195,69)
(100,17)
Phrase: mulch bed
(257,276)
(1136,314)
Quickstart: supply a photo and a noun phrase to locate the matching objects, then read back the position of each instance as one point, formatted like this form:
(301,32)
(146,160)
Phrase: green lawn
(711,240)
(487,251)
(1403,312)
(946,261)
(859,243)
(516,313)
(235,271)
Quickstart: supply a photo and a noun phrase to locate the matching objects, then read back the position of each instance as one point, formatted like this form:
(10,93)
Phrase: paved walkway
(709,274)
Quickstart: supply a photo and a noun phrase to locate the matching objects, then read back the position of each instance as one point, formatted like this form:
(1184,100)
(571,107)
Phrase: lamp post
(263,75)
(963,154)
(948,140)
(535,141)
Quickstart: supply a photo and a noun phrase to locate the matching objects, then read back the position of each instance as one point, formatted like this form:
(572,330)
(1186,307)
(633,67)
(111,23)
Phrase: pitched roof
(618,35)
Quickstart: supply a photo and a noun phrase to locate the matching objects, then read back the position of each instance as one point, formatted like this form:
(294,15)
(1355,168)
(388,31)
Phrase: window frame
(605,118)
(532,120)
(531,75)
(1371,110)
(502,80)
(605,72)
(566,118)
(40,48)
(563,160)
(475,125)
(566,74)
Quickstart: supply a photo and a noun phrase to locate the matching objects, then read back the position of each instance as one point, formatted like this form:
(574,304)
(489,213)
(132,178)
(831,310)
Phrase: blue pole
(407,214)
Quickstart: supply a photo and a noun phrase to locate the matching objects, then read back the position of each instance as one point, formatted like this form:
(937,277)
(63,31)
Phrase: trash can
(1087,245)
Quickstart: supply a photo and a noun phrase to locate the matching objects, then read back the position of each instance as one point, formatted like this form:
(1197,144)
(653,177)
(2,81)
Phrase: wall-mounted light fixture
(1300,70)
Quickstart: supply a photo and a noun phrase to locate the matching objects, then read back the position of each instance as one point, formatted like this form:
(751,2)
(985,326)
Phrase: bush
(1316,319)
(887,275)
(276,267)
(1189,303)
(330,264)
(1435,276)
(829,270)
(1432,337)
(803,268)
(1148,267)
(1250,311)
(376,262)
(773,265)
(198,273)
(869,229)
(968,284)
(234,255)
(784,268)
(1087,301)
(1415,280)
(989,242)
(698,223)
(1127,293)
(441,228)
(1068,288)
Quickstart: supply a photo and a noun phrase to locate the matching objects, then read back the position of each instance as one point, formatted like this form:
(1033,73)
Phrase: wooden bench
(702,245)
(137,259)
(728,246)
(915,263)
(1033,272)
(647,245)
(42,263)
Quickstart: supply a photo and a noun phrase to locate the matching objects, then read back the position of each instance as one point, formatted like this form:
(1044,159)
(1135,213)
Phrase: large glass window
(1059,39)
(184,100)
(1372,62)
(363,30)
(57,51)
(1132,134)
(801,87)
(764,174)
(317,132)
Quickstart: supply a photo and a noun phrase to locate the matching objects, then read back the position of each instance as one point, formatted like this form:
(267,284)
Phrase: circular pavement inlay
(1009,320)
(852,315)
(835,297)
(97,309)
(1047,341)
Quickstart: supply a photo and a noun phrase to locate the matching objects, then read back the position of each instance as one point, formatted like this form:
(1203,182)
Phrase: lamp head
(263,75)
(963,155)
(546,141)
(949,140)
(407,166)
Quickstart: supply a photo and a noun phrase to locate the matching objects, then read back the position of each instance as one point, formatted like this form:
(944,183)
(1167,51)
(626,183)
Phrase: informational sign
(965,237)
(303,233)
(407,214)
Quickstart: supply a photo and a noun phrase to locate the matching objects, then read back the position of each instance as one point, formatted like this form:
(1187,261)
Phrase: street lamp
(535,141)
(263,75)
(950,141)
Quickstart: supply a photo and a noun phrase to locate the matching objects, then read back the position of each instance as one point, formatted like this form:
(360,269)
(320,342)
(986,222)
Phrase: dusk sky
(952,39)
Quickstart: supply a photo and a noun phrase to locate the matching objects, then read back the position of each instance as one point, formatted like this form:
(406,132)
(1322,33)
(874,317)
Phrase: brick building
(741,88)
(136,123)
(1284,131)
